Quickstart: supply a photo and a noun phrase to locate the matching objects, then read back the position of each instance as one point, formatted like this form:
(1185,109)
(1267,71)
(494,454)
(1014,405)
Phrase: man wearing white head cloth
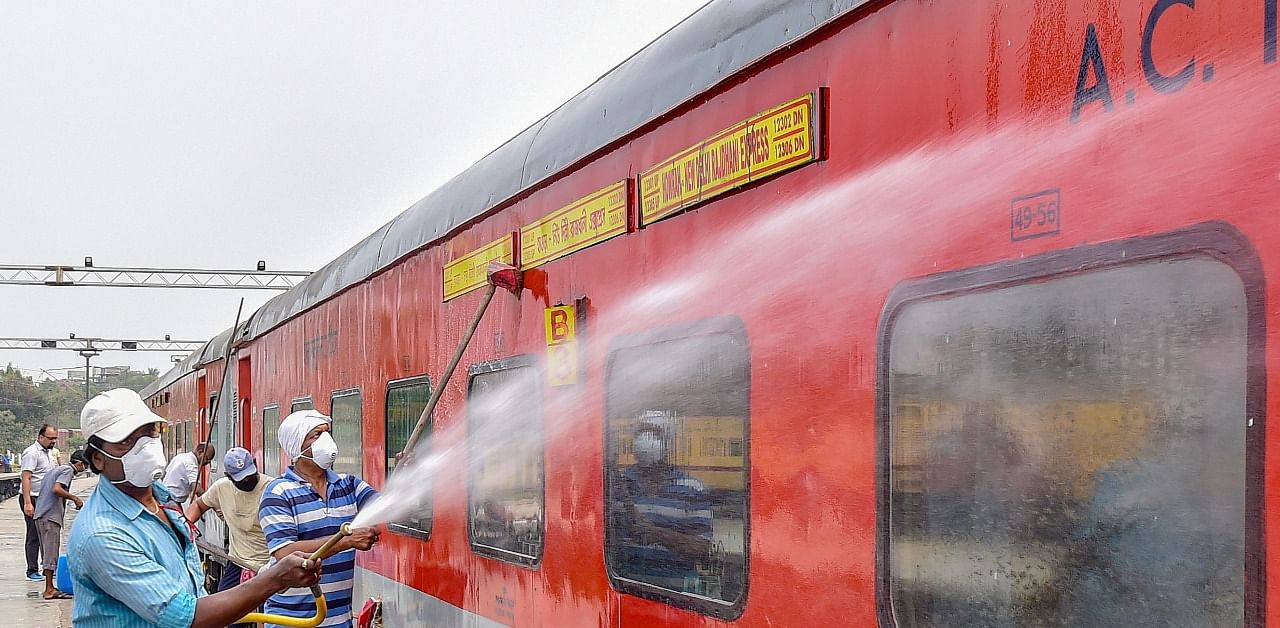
(308,504)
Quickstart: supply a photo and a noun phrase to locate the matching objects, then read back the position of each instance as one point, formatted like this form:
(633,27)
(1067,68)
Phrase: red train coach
(847,313)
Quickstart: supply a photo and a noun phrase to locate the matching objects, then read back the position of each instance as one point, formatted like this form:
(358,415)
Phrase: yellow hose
(322,609)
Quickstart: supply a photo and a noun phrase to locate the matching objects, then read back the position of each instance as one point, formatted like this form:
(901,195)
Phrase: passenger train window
(301,403)
(406,399)
(504,438)
(271,440)
(1070,452)
(676,456)
(346,411)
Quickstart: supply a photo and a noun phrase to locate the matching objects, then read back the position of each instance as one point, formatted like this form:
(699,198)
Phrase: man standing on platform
(52,509)
(184,472)
(36,462)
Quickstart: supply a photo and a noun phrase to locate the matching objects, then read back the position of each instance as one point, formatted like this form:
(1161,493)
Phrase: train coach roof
(207,353)
(717,41)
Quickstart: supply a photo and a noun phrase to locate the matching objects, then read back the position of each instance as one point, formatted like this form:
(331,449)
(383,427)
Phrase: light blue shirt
(129,569)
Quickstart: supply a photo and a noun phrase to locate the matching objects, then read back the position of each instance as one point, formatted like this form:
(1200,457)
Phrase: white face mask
(324,452)
(144,464)
(649,449)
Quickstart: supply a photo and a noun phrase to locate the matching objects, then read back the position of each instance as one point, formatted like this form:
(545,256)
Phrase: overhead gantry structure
(101,344)
(90,348)
(90,275)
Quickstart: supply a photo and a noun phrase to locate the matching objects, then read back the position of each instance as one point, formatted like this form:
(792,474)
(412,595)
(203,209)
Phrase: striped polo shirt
(291,511)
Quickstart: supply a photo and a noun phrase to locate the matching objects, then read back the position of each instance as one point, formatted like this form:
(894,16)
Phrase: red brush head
(504,276)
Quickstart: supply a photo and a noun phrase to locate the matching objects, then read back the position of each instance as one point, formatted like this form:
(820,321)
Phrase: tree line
(26,404)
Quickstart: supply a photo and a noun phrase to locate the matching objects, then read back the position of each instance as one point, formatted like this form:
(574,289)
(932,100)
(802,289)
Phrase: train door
(201,418)
(244,406)
(1076,439)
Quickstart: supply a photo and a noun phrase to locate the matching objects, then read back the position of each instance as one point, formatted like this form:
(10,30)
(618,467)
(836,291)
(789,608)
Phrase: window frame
(730,325)
(1215,240)
(262,423)
(492,366)
(342,393)
(408,382)
(297,400)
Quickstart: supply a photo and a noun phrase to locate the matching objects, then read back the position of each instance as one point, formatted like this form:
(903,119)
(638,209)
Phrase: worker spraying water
(310,509)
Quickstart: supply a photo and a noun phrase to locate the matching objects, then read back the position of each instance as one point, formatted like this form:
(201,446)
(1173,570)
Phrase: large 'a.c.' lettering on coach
(1093,84)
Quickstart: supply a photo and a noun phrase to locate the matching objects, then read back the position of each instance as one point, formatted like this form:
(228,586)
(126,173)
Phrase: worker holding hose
(307,506)
(133,561)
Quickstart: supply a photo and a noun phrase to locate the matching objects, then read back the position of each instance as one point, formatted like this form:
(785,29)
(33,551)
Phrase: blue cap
(238,463)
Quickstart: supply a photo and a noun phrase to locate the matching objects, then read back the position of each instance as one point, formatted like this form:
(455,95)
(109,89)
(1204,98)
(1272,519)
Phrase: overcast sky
(212,135)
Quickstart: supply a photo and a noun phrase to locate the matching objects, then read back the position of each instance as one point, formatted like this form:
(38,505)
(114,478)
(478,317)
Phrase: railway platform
(20,600)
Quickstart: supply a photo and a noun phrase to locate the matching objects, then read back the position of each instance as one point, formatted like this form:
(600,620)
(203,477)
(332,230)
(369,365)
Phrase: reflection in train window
(504,435)
(347,431)
(1071,452)
(676,468)
(406,399)
(271,440)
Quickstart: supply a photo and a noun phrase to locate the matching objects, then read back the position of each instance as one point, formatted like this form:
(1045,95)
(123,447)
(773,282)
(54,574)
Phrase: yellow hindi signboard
(471,271)
(589,220)
(763,145)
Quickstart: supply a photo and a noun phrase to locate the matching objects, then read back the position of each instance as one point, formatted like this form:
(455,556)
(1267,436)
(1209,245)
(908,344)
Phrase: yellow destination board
(589,220)
(763,145)
(471,271)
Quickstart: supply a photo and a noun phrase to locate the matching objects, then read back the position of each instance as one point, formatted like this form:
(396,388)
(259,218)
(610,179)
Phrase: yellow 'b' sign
(562,345)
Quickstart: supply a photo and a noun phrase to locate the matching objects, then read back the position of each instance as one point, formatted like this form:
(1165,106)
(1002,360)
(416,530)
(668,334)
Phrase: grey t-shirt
(50,506)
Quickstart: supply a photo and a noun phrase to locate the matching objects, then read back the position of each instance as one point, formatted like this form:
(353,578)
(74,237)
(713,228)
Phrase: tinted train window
(1071,452)
(405,401)
(271,440)
(346,414)
(676,456)
(504,413)
(303,403)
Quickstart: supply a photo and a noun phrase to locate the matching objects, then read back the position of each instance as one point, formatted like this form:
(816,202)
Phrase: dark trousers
(33,540)
(231,578)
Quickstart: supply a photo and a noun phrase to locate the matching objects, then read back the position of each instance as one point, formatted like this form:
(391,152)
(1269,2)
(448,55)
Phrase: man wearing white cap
(235,498)
(133,562)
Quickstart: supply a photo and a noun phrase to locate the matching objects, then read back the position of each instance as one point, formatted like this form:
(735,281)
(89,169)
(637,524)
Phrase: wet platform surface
(20,600)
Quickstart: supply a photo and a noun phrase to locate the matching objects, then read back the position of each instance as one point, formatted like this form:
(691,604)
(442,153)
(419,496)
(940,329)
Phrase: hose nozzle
(327,550)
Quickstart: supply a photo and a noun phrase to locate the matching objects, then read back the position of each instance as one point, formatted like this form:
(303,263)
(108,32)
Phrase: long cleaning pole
(448,371)
(226,369)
